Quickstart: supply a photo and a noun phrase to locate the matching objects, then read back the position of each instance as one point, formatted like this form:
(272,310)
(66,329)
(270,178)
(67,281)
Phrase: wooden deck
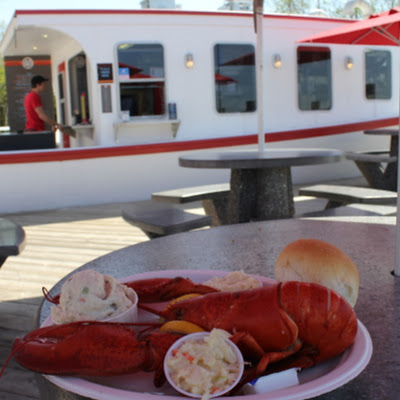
(58,242)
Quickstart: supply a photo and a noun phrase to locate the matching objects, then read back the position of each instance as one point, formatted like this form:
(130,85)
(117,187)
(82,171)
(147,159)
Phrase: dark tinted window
(314,78)
(378,74)
(235,78)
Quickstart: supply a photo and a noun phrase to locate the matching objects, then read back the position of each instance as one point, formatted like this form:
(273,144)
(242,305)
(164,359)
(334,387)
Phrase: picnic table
(379,167)
(261,185)
(12,239)
(254,247)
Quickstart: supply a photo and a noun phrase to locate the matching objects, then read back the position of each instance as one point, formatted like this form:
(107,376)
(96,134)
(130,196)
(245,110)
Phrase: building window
(141,79)
(314,78)
(235,78)
(378,74)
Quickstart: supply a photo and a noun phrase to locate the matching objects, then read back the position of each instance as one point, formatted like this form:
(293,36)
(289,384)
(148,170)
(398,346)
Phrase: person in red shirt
(35,115)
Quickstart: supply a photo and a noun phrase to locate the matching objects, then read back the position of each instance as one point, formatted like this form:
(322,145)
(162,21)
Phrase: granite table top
(254,247)
(254,160)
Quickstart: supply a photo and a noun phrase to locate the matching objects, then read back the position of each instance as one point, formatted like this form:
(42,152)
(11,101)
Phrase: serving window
(378,74)
(141,79)
(314,78)
(235,78)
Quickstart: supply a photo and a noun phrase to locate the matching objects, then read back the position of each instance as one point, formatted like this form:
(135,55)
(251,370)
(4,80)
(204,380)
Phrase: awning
(379,29)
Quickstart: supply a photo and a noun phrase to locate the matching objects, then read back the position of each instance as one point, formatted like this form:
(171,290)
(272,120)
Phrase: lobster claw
(92,349)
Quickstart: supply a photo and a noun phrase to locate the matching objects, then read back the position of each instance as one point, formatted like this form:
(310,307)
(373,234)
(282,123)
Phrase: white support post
(259,78)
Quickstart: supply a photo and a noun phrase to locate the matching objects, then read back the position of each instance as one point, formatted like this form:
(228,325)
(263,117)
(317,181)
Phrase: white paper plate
(314,381)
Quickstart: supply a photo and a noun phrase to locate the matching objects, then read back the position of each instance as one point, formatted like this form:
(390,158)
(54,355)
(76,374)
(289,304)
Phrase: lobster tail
(326,320)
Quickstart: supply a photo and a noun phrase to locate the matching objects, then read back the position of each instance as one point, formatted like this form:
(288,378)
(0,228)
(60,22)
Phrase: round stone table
(261,185)
(254,247)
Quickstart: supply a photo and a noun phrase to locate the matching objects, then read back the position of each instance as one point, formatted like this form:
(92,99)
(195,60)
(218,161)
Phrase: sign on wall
(104,73)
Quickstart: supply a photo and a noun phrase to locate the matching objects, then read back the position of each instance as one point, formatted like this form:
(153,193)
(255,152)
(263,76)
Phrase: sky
(7,7)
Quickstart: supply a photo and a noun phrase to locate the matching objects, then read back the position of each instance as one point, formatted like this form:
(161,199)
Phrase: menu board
(104,73)
(19,72)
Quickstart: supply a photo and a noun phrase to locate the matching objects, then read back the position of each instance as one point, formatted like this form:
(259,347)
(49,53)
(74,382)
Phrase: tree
(383,5)
(332,8)
(291,6)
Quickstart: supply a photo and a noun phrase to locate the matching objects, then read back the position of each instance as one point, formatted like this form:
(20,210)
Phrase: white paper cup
(129,315)
(200,335)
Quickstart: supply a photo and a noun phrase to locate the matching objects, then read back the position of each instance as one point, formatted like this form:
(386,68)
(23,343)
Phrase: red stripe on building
(120,151)
(18,63)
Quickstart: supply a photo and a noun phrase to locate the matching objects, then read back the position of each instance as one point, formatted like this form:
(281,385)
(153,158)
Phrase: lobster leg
(258,360)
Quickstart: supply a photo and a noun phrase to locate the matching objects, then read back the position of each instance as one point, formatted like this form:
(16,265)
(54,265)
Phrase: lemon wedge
(184,327)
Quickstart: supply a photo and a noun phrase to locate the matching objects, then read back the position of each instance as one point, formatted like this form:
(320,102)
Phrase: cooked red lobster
(307,322)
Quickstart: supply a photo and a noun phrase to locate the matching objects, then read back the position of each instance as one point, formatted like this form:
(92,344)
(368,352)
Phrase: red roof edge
(173,12)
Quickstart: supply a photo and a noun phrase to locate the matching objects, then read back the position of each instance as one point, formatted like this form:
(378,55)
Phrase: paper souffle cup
(129,315)
(199,335)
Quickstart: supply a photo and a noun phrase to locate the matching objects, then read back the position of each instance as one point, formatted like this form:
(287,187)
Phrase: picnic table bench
(213,198)
(12,239)
(378,167)
(191,194)
(338,195)
(158,219)
(354,210)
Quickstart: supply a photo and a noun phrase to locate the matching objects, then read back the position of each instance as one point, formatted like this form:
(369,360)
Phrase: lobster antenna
(12,355)
(48,296)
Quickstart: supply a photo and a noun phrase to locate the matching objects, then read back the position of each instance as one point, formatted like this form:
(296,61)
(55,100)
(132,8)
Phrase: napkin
(269,383)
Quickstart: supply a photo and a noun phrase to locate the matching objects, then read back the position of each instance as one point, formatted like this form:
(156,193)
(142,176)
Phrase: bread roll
(315,261)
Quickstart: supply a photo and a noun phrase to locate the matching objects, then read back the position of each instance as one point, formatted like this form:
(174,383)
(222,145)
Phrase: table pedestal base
(379,177)
(256,195)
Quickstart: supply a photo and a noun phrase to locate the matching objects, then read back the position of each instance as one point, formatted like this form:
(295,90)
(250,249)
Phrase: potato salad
(89,295)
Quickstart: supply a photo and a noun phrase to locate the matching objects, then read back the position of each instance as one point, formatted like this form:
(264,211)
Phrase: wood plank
(57,242)
(17,384)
